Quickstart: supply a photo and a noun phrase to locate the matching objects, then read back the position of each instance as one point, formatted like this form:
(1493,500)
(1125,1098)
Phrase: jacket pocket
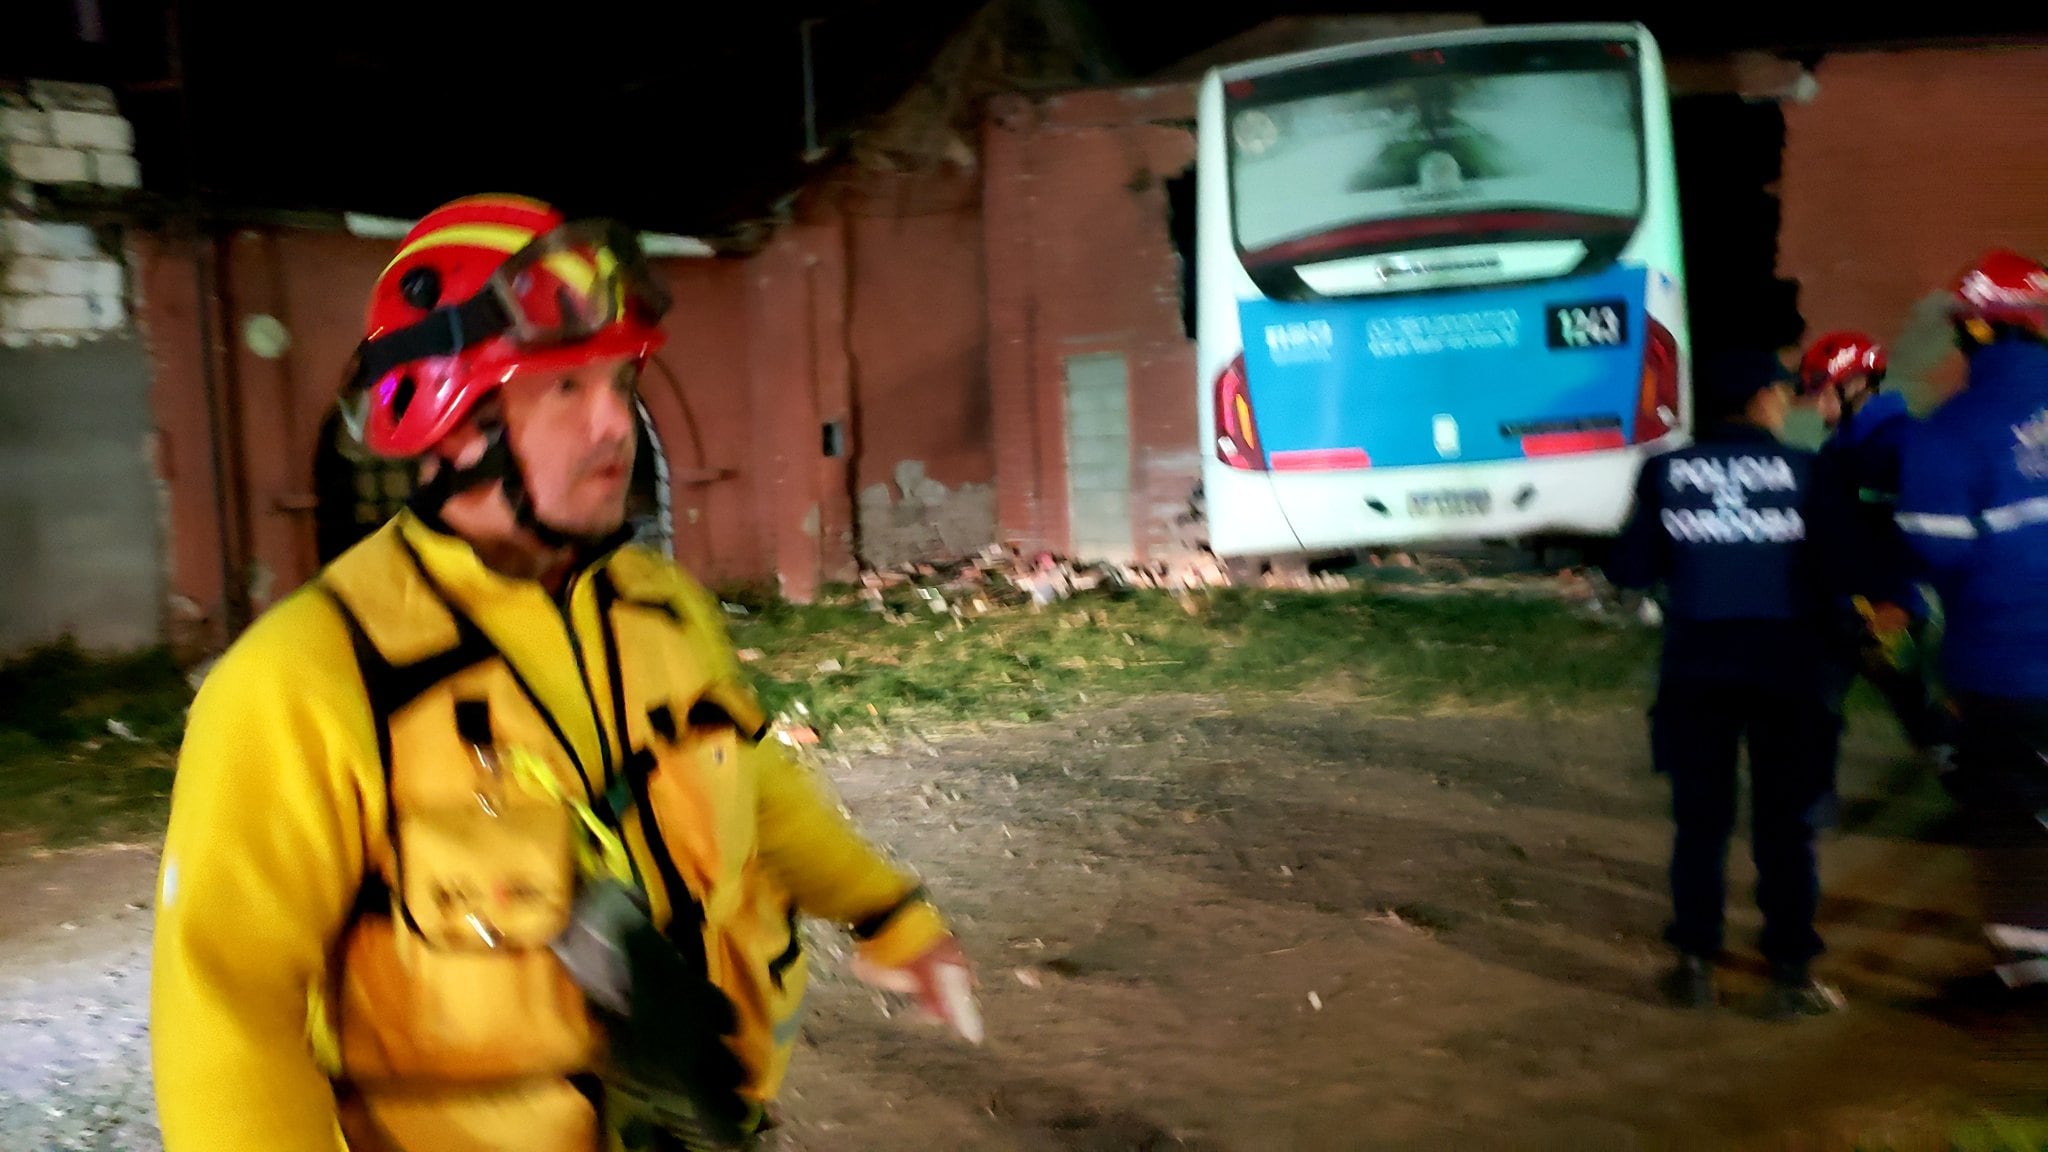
(457,983)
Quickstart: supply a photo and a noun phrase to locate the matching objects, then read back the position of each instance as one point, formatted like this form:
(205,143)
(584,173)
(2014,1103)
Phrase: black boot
(1795,993)
(1690,983)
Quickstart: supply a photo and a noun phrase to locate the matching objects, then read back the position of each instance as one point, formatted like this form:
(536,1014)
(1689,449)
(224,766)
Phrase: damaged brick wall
(62,287)
(917,518)
(1081,264)
(917,334)
(80,512)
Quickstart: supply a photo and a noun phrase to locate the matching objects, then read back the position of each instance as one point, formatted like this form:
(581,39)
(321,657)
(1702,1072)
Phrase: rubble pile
(1003,583)
(1002,577)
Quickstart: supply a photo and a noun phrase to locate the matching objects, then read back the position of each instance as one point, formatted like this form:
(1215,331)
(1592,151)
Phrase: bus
(1440,292)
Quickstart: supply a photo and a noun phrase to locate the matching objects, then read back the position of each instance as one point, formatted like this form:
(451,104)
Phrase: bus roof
(1490,34)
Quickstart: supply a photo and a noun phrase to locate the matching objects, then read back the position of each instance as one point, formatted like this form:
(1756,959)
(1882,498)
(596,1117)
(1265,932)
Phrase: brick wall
(917,332)
(795,357)
(752,346)
(931,318)
(1081,267)
(1904,166)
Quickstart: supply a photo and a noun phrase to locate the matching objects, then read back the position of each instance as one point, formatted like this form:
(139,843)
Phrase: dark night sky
(678,116)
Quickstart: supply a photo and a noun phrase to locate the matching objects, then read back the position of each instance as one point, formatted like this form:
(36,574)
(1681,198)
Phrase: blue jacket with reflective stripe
(1864,452)
(1973,505)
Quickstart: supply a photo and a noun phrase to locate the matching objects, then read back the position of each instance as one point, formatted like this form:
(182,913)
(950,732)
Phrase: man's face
(574,435)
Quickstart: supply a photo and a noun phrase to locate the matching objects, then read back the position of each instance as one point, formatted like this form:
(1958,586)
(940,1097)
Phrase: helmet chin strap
(499,465)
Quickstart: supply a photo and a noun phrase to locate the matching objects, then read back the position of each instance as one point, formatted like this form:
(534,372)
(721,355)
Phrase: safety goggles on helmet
(564,287)
(574,282)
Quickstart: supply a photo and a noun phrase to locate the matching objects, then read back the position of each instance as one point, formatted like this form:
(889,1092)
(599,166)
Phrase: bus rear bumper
(1268,513)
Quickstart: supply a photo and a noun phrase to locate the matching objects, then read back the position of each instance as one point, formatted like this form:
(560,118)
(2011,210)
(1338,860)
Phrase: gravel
(74,1054)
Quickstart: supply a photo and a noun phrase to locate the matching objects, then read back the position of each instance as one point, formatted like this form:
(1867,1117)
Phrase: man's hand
(941,981)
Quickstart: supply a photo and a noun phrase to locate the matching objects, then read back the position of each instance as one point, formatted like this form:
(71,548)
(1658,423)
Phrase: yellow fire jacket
(357,896)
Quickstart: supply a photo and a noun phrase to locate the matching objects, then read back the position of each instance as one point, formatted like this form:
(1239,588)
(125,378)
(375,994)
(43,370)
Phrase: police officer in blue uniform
(1973,503)
(1742,533)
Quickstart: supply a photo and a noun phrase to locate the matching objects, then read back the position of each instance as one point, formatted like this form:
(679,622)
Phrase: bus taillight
(1657,402)
(1237,437)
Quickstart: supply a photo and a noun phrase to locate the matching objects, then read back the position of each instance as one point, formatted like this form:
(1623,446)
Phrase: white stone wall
(57,286)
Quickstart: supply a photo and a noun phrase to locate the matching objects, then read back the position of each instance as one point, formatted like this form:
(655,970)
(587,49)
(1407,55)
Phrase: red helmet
(2002,287)
(1837,358)
(485,289)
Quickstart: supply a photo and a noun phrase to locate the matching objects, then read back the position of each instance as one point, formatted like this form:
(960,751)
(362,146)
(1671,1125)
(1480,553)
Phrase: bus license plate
(1451,502)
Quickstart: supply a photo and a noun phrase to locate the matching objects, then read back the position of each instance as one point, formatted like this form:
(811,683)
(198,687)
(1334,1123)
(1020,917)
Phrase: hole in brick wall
(1730,155)
(1180,227)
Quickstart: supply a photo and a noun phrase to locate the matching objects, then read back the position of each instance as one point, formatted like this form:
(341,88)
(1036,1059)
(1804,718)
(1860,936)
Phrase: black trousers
(2001,780)
(1697,730)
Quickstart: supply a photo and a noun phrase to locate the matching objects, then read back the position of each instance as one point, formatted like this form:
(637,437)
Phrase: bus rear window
(1480,142)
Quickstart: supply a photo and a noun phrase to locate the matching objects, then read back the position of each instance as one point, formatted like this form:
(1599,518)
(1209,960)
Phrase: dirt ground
(1288,924)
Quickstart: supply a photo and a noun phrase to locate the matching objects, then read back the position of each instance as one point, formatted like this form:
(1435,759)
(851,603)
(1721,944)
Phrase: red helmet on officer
(1839,357)
(2000,291)
(485,289)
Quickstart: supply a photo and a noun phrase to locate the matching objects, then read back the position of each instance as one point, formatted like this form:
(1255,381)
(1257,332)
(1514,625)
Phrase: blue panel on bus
(1446,377)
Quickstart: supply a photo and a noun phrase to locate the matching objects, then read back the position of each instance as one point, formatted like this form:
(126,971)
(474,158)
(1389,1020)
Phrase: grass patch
(65,776)
(1984,1130)
(851,667)
(1993,1132)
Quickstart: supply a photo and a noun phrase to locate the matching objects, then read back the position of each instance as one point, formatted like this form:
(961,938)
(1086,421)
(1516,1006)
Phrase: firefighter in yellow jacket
(476,844)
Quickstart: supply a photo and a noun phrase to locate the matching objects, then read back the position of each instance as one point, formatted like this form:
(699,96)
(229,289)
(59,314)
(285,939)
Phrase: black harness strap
(467,627)
(390,687)
(444,331)
(685,912)
(789,955)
